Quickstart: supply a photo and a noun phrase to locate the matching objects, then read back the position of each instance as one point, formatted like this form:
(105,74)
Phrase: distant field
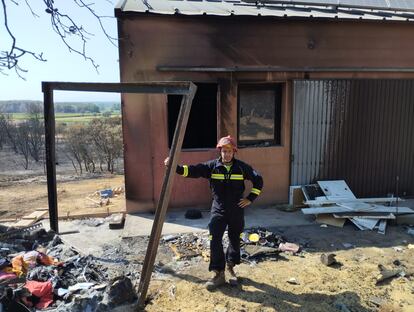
(66,117)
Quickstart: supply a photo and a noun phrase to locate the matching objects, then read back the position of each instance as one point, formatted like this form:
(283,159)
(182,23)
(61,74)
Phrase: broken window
(259,114)
(201,129)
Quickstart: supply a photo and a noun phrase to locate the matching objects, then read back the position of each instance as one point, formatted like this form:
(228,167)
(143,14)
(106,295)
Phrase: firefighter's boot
(216,281)
(233,281)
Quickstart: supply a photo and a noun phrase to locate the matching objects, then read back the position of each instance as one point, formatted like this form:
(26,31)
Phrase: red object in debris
(42,290)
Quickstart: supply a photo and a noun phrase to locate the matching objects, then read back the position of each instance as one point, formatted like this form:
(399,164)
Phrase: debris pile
(398,271)
(38,271)
(333,203)
(259,243)
(187,246)
(256,244)
(102,197)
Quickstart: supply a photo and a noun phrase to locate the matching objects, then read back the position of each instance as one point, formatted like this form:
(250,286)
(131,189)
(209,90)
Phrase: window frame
(196,149)
(277,129)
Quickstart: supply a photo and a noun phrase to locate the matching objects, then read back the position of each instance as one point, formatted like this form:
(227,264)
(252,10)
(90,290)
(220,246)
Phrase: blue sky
(36,34)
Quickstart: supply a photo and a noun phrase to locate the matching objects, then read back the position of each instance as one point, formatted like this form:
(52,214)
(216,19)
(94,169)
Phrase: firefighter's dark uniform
(227,186)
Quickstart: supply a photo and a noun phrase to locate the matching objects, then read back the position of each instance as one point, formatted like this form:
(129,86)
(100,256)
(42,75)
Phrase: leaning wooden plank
(330,220)
(365,215)
(164,198)
(365,200)
(337,209)
(382,226)
(24,222)
(40,209)
(36,215)
(6,220)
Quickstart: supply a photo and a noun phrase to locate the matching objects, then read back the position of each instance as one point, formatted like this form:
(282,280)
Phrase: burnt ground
(349,285)
(178,284)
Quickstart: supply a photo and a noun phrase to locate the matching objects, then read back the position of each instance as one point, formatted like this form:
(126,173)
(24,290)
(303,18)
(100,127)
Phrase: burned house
(312,90)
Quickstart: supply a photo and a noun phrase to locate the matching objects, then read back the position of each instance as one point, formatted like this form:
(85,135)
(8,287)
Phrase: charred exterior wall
(360,131)
(149,42)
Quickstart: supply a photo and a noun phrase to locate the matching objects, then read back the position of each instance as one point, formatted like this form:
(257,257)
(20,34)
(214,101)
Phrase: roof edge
(119,7)
(130,14)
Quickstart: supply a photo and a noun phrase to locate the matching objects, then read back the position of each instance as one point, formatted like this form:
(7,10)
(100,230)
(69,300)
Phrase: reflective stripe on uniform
(217,176)
(236,177)
(185,173)
(255,191)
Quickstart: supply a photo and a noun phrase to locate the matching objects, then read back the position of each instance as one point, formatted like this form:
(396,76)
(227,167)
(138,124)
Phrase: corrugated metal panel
(360,131)
(249,8)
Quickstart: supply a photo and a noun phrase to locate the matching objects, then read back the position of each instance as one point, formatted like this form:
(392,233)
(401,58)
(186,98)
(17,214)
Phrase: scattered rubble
(189,245)
(388,273)
(117,221)
(256,244)
(293,281)
(328,259)
(333,202)
(102,197)
(38,270)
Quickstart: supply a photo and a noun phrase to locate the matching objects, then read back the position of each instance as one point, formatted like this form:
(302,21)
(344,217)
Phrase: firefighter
(226,176)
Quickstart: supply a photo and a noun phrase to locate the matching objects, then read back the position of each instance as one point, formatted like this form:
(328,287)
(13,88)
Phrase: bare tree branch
(30,8)
(82,4)
(9,59)
(63,24)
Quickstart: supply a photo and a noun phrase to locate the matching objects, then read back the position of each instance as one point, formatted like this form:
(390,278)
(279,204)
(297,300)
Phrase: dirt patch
(22,191)
(20,198)
(351,285)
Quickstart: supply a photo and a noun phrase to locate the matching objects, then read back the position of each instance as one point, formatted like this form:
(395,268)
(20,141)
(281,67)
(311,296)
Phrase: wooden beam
(24,223)
(36,215)
(49,112)
(101,214)
(156,87)
(165,195)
